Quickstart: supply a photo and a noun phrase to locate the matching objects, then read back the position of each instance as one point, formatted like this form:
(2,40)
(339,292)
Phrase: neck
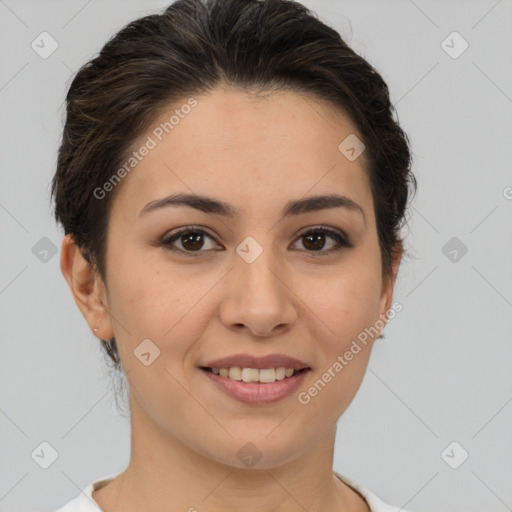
(165,474)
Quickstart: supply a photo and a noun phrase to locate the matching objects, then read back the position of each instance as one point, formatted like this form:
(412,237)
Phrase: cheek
(342,308)
(342,304)
(342,316)
(165,307)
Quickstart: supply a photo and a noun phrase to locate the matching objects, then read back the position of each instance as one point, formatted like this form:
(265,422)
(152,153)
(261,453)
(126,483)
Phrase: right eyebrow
(215,206)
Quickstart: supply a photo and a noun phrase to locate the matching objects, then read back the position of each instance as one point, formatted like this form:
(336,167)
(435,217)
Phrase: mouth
(256,375)
(256,386)
(254,379)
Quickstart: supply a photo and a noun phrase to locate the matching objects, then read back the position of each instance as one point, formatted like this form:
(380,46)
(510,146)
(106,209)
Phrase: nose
(257,298)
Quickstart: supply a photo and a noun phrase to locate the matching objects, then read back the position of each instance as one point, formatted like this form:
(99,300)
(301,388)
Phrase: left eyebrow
(215,206)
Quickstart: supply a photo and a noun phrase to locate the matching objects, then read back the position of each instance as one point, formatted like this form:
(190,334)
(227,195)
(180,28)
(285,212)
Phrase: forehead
(245,149)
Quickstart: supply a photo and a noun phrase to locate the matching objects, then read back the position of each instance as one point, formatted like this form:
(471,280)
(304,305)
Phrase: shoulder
(81,503)
(374,502)
(84,501)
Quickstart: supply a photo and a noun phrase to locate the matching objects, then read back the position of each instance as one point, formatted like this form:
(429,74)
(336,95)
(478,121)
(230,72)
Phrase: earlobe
(87,288)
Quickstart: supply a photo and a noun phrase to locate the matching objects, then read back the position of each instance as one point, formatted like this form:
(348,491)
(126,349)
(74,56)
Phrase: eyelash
(342,241)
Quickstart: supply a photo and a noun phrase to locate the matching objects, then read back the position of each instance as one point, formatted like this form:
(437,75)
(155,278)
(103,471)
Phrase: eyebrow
(214,206)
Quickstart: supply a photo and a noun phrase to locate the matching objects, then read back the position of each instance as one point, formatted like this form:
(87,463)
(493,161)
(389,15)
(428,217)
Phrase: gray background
(443,372)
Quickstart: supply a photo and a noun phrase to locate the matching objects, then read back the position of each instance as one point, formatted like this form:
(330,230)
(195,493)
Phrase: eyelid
(321,227)
(342,240)
(175,234)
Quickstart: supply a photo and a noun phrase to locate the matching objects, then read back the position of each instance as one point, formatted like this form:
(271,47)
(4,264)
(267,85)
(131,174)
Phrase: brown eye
(190,240)
(315,241)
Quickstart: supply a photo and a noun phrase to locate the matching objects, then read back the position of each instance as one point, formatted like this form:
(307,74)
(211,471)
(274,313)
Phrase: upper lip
(259,362)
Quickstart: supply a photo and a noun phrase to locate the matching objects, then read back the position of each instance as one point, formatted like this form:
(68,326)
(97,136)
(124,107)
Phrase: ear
(386,297)
(87,288)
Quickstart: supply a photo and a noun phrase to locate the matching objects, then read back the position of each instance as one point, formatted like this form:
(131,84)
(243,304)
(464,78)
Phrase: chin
(258,452)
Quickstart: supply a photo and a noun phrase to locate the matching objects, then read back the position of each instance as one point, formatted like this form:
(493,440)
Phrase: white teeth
(265,375)
(250,375)
(280,373)
(235,373)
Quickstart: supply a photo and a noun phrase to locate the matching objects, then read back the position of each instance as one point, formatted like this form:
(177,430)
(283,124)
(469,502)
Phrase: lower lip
(255,393)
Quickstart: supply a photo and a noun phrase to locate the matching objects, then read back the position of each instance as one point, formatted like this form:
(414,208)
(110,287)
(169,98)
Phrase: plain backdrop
(430,428)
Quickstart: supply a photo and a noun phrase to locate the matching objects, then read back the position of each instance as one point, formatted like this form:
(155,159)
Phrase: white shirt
(85,503)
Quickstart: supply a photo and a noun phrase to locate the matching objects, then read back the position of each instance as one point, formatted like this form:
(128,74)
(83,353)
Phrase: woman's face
(255,283)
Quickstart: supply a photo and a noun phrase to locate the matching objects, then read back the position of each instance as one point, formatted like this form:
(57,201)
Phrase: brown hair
(192,47)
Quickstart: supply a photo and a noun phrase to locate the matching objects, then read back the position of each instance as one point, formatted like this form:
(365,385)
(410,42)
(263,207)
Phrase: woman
(232,182)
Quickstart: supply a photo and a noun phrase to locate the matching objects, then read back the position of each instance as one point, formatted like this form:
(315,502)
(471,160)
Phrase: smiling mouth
(255,375)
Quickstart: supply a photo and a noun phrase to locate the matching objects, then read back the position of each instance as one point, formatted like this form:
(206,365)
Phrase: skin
(256,153)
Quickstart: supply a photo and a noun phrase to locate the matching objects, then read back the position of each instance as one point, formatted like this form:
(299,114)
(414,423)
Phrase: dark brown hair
(191,48)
